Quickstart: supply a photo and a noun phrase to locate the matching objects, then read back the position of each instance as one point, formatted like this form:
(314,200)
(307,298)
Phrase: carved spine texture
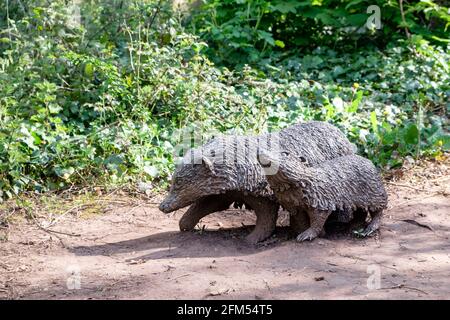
(343,184)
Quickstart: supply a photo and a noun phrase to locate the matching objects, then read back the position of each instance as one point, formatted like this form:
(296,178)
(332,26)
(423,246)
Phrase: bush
(103,101)
(259,32)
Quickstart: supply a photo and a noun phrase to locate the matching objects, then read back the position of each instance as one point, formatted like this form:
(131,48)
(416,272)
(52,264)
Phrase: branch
(400,2)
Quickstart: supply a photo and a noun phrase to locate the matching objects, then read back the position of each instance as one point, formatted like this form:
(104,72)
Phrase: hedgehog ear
(208,163)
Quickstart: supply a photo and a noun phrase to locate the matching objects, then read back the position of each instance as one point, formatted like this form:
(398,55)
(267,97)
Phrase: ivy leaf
(152,171)
(311,62)
(64,173)
(352,3)
(357,19)
(338,70)
(288,6)
(327,19)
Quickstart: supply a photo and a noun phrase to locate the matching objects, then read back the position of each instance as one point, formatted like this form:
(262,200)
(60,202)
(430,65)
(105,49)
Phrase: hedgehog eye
(302,159)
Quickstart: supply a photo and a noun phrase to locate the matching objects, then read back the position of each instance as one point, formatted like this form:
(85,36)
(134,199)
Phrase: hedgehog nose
(163,207)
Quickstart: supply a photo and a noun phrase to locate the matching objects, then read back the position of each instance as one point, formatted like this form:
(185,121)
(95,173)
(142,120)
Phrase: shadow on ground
(206,243)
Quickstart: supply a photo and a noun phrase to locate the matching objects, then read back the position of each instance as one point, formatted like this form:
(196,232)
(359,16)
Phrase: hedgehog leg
(266,218)
(202,208)
(318,219)
(299,221)
(374,224)
(359,220)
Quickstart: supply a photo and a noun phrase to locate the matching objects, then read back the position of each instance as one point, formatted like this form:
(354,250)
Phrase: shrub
(103,101)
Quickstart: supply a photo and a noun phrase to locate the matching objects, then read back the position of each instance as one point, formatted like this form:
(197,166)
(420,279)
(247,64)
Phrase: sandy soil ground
(137,252)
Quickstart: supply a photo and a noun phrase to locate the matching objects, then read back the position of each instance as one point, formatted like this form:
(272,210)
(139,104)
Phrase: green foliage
(260,31)
(103,99)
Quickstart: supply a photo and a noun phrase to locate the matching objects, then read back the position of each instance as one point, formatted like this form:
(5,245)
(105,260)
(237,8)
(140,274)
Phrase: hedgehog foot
(358,222)
(368,231)
(255,237)
(374,225)
(371,228)
(308,235)
(264,228)
(318,219)
(187,223)
(266,218)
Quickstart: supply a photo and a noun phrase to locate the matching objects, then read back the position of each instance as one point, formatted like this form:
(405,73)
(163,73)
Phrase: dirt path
(138,252)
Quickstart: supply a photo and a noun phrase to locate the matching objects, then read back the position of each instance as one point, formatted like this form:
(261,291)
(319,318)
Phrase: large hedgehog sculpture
(226,170)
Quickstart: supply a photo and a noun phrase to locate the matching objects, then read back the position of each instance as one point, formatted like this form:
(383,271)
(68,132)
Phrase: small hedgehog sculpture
(340,186)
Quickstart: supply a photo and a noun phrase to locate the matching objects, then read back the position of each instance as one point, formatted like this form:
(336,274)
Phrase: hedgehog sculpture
(225,170)
(341,186)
